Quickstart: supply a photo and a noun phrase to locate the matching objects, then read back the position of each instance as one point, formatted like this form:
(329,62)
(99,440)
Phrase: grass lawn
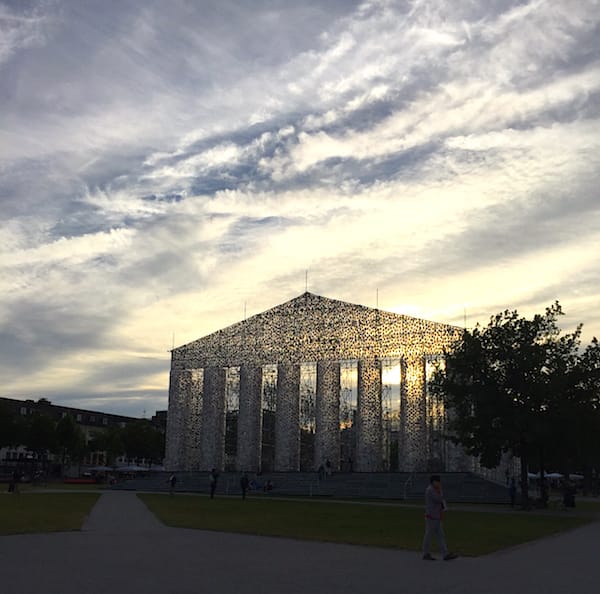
(28,487)
(469,533)
(44,512)
(587,506)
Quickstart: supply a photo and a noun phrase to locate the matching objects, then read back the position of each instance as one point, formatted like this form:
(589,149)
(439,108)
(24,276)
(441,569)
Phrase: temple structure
(310,382)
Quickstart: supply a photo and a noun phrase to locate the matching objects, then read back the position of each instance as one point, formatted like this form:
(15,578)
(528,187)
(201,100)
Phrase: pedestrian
(321,472)
(16,479)
(434,508)
(244,482)
(172,482)
(568,494)
(512,491)
(214,476)
(327,467)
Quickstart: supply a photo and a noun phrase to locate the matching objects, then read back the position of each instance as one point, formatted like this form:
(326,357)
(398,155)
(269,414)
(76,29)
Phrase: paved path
(123,548)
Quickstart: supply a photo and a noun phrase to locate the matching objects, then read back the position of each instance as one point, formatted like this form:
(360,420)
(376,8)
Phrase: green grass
(44,512)
(587,506)
(28,487)
(469,533)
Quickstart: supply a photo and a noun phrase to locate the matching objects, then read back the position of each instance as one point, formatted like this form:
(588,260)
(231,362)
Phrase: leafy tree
(8,427)
(141,439)
(70,440)
(14,428)
(110,441)
(507,385)
(41,436)
(583,441)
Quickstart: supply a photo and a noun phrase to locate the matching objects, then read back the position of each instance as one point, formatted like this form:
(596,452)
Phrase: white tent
(132,468)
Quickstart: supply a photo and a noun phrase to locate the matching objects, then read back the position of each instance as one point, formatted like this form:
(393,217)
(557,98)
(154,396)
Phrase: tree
(70,440)
(13,428)
(41,436)
(110,441)
(506,385)
(141,439)
(8,427)
(583,442)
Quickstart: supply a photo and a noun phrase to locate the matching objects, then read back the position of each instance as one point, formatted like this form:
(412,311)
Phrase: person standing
(214,476)
(16,480)
(512,491)
(172,483)
(244,482)
(434,508)
(321,472)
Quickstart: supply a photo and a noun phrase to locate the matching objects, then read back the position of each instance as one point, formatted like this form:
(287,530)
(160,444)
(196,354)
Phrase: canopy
(131,468)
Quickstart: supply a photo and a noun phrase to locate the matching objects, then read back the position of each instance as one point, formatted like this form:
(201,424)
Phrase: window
(348,412)
(104,421)
(269,405)
(23,410)
(79,417)
(391,402)
(307,403)
(232,409)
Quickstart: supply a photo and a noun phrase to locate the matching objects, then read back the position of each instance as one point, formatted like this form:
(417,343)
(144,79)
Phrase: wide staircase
(458,486)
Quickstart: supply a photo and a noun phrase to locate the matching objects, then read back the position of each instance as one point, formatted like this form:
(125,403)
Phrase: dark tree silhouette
(513,386)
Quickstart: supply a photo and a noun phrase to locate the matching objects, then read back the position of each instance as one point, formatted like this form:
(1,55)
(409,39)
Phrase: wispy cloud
(160,167)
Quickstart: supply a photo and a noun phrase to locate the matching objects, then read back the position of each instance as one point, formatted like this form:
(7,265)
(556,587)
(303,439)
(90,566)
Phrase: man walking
(434,507)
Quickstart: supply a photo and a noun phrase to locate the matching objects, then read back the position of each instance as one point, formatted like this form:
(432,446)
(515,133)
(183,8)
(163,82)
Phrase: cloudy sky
(166,165)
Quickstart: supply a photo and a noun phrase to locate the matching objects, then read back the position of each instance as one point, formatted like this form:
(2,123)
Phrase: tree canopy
(517,385)
(42,434)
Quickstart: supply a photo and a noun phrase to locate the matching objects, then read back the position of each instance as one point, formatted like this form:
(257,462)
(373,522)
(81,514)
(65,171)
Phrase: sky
(169,167)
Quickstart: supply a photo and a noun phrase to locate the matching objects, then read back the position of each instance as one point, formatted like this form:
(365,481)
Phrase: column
(212,442)
(193,418)
(184,419)
(327,426)
(250,419)
(413,453)
(369,446)
(287,418)
(174,437)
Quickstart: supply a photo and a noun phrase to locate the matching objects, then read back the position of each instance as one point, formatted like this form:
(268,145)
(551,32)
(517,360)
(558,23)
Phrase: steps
(458,486)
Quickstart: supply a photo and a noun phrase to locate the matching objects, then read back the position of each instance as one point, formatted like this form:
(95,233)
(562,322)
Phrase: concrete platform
(123,548)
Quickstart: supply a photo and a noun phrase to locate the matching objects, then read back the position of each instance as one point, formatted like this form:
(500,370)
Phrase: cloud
(163,171)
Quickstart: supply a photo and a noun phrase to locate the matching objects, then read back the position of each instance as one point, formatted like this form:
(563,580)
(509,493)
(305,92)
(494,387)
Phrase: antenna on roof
(465,316)
(173,341)
(306,281)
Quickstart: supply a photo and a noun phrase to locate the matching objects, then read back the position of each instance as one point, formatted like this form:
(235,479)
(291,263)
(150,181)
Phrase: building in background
(91,423)
(311,381)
